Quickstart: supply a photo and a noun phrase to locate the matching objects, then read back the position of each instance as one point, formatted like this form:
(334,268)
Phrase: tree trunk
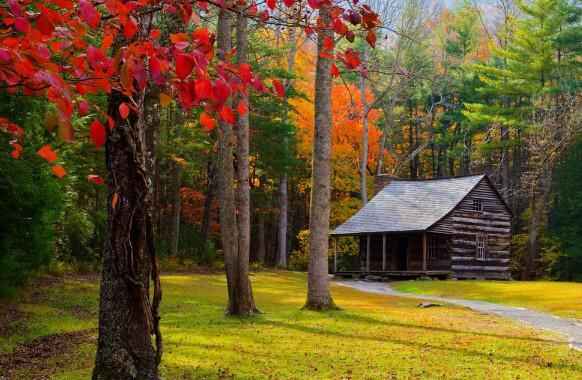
(505,169)
(282,248)
(208,199)
(262,248)
(176,210)
(227,214)
(364,149)
(245,301)
(318,294)
(282,226)
(127,315)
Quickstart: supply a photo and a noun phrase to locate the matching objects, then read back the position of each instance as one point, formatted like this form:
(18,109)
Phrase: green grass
(372,337)
(559,298)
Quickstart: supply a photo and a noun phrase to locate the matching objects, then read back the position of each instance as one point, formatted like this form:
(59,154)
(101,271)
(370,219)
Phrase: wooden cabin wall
(464,224)
(440,258)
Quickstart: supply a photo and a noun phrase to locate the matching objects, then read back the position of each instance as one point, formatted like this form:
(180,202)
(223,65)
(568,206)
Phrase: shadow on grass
(360,318)
(465,351)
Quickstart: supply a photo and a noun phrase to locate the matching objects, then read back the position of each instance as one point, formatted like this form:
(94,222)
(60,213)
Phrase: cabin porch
(394,256)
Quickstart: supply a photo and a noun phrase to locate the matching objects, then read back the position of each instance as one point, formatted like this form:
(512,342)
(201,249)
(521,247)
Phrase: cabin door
(402,254)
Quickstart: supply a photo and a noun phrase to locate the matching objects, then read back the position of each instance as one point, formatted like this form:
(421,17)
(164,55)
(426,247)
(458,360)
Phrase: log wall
(463,225)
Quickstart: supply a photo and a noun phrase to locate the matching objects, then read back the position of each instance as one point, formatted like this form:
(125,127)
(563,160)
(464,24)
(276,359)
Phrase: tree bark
(227,212)
(364,149)
(208,199)
(282,248)
(318,294)
(245,301)
(176,209)
(127,315)
(262,248)
(282,226)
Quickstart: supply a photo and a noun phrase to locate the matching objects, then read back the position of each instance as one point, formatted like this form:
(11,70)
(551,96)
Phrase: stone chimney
(381,181)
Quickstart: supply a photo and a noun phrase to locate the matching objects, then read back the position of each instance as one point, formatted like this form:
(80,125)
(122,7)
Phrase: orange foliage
(193,208)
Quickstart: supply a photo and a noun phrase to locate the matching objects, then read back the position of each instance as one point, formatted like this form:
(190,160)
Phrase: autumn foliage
(67,50)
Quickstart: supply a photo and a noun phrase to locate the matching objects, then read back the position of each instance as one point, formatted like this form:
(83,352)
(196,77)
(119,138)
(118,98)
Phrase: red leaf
(314,4)
(371,38)
(245,73)
(97,133)
(252,10)
(130,28)
(44,24)
(271,4)
(207,122)
(184,65)
(17,152)
(279,88)
(350,36)
(226,114)
(21,24)
(203,88)
(47,153)
(97,180)
(242,108)
(83,107)
(59,171)
(289,3)
(202,35)
(89,14)
(339,27)
(352,59)
(327,43)
(124,110)
(221,91)
(334,71)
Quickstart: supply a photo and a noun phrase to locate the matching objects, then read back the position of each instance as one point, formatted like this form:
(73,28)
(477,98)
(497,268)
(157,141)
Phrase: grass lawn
(559,298)
(373,337)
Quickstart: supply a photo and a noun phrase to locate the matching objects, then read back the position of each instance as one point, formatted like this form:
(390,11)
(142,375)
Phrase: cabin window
(478,205)
(481,245)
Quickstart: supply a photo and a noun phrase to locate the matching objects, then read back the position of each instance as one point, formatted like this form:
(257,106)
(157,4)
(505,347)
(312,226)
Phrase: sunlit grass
(560,298)
(372,337)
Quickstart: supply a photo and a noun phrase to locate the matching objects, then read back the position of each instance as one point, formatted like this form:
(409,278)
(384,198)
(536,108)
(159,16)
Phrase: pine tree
(523,88)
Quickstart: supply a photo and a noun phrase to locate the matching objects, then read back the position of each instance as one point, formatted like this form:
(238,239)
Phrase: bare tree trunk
(505,169)
(209,198)
(364,148)
(127,315)
(262,248)
(318,294)
(283,180)
(176,210)
(282,227)
(245,301)
(228,223)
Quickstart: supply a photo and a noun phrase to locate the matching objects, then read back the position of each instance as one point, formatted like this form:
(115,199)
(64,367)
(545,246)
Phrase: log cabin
(451,227)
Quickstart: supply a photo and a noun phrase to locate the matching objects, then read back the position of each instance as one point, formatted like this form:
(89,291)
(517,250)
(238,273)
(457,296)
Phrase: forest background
(450,89)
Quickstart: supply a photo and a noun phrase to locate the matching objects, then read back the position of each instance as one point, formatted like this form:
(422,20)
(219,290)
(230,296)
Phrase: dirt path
(567,327)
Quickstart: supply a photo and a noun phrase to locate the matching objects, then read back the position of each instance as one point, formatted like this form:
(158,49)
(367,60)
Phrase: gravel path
(568,327)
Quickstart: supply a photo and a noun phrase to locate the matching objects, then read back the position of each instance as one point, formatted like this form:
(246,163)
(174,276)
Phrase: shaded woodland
(177,135)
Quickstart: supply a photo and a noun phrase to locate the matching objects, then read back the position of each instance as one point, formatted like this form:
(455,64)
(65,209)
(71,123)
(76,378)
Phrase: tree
(527,80)
(318,294)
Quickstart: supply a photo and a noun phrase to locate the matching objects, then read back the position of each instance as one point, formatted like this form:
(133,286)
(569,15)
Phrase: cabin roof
(409,205)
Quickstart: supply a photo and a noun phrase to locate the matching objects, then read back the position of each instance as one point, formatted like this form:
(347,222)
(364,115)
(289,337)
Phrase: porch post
(334,255)
(424,252)
(368,253)
(383,252)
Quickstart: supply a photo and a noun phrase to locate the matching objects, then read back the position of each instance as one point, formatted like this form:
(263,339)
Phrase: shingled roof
(409,205)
